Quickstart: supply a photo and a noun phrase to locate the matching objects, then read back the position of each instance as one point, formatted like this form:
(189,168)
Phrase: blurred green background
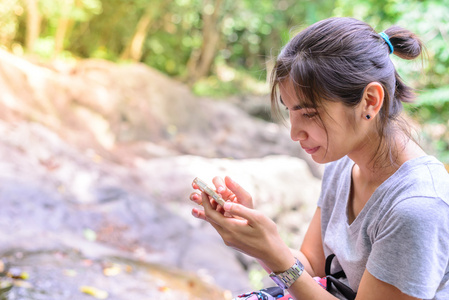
(223,48)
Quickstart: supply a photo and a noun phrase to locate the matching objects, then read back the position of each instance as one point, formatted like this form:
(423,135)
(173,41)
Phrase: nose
(297,134)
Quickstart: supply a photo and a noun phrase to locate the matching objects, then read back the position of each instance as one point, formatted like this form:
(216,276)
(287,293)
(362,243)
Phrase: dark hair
(335,59)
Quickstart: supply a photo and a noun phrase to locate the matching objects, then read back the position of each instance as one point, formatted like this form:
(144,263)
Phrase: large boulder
(117,109)
(97,169)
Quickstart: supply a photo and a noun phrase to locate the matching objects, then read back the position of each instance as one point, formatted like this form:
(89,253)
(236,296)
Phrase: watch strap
(285,279)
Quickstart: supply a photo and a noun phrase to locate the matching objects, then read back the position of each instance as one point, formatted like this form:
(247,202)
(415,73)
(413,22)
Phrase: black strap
(341,287)
(332,280)
(327,268)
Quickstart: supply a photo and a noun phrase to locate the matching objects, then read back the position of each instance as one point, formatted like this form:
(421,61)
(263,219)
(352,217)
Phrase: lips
(311,150)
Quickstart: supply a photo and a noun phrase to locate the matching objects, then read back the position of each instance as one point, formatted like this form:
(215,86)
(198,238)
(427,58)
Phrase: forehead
(291,94)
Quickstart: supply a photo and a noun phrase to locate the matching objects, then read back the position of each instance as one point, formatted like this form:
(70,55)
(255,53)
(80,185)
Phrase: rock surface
(97,164)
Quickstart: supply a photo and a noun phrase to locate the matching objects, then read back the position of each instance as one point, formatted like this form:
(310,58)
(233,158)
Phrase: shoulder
(421,214)
(415,198)
(423,177)
(411,236)
(416,201)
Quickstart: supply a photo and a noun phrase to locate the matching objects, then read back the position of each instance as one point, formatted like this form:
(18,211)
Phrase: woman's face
(308,127)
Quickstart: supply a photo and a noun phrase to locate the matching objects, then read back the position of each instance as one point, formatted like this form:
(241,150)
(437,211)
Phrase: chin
(319,160)
(326,159)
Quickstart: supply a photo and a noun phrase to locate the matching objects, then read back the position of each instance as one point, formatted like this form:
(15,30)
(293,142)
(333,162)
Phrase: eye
(310,115)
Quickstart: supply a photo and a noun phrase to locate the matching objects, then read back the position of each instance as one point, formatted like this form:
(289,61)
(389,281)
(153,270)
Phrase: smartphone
(208,190)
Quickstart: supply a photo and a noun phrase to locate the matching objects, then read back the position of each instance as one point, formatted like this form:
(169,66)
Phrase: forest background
(222,48)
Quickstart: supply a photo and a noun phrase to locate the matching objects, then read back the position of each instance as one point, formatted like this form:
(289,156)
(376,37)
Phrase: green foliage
(10,11)
(432,110)
(229,81)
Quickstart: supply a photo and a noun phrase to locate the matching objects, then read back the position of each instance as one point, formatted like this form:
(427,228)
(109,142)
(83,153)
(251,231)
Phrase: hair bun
(406,44)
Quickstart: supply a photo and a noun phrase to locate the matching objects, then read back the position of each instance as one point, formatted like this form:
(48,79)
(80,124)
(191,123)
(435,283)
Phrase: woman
(384,205)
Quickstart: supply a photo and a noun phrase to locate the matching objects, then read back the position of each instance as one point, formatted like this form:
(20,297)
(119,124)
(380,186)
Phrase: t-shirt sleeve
(410,248)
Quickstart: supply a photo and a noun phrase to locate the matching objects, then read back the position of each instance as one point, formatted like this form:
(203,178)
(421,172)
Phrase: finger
(208,204)
(195,186)
(239,192)
(212,216)
(199,214)
(222,189)
(196,197)
(243,212)
(219,183)
(219,209)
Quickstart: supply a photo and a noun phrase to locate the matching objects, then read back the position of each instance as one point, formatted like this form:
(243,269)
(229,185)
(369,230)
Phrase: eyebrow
(296,107)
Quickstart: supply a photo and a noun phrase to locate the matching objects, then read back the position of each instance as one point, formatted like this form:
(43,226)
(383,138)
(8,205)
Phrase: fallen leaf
(93,291)
(112,270)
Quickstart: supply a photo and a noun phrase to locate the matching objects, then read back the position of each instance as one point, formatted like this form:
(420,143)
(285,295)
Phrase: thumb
(240,211)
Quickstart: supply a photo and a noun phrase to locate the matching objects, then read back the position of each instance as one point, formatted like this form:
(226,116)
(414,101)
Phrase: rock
(100,160)
(118,108)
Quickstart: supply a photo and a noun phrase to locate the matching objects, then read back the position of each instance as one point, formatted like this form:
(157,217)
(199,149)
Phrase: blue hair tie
(387,40)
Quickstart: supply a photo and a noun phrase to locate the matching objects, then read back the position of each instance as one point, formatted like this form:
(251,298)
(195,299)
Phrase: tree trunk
(134,49)
(63,25)
(33,24)
(201,60)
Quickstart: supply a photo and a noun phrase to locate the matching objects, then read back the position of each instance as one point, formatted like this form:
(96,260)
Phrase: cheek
(319,131)
(340,144)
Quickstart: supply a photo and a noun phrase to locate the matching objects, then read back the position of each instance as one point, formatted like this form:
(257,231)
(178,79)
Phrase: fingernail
(220,189)
(227,205)
(195,213)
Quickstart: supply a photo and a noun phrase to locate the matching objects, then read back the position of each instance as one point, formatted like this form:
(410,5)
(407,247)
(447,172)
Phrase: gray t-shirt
(401,236)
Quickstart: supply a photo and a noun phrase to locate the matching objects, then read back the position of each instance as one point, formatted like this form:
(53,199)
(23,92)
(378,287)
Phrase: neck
(375,164)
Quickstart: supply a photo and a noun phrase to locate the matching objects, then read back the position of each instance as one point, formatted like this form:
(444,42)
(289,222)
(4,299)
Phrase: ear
(373,99)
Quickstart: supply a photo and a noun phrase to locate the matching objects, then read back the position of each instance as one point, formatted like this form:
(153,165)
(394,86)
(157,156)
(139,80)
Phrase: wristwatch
(285,279)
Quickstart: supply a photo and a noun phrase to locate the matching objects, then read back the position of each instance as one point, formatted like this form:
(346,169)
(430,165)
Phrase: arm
(312,247)
(311,254)
(256,235)
(306,287)
(371,288)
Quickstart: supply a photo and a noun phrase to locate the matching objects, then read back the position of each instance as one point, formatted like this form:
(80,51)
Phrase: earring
(368,117)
